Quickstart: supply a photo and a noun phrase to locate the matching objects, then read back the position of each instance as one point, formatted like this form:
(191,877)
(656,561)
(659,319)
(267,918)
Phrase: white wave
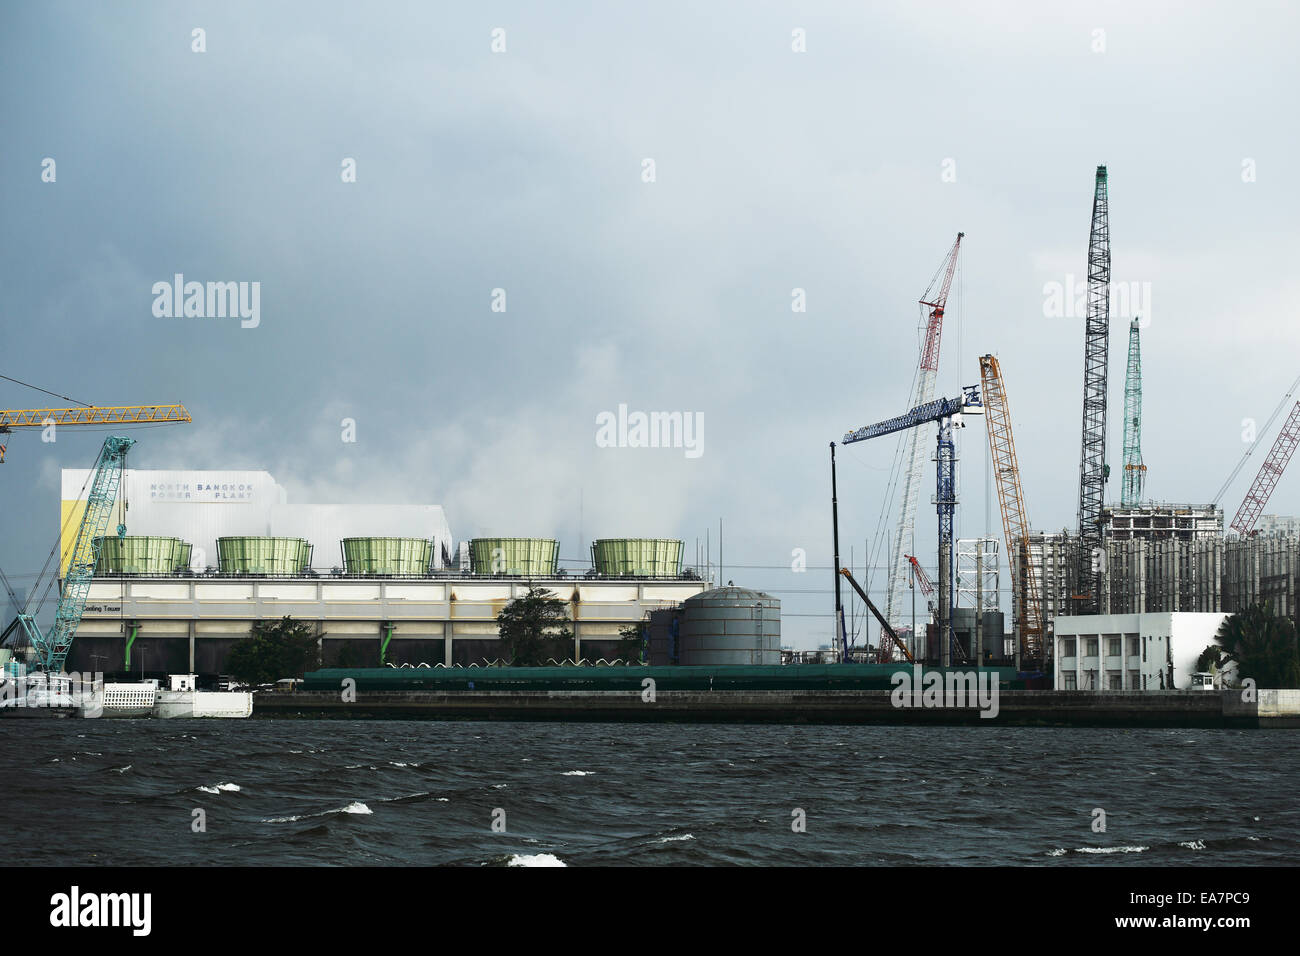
(1111,849)
(578,773)
(536,859)
(1193,844)
(356,806)
(674,839)
(1059,851)
(221,786)
(121,769)
(498,786)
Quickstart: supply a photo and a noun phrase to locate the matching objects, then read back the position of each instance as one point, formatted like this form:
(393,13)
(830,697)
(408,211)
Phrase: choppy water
(407,792)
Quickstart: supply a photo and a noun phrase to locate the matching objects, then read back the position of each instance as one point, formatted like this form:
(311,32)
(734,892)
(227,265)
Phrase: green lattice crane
(52,647)
(1135,473)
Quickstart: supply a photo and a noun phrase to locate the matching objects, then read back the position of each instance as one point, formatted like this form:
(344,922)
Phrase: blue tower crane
(947,412)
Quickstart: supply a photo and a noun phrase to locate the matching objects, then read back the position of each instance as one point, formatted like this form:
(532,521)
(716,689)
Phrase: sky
(649,191)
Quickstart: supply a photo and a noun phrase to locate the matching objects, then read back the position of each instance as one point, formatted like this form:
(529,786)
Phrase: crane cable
(46,391)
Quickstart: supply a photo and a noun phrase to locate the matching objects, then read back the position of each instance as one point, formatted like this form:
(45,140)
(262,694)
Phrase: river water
(334,792)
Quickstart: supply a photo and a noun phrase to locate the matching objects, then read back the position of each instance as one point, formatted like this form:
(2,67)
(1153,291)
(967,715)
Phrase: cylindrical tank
(407,556)
(642,557)
(140,554)
(731,625)
(252,554)
(530,557)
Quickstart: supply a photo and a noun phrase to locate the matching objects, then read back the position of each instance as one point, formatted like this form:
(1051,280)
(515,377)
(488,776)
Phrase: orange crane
(1006,472)
(88,415)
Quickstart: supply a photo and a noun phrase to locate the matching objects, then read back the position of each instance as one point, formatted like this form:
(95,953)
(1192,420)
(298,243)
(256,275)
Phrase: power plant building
(209,553)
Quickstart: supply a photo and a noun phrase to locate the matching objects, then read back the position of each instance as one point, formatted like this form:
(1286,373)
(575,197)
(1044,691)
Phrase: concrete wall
(436,621)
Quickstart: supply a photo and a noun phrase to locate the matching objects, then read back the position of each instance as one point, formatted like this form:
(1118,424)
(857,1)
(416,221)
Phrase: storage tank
(529,557)
(388,556)
(252,554)
(140,554)
(730,625)
(640,557)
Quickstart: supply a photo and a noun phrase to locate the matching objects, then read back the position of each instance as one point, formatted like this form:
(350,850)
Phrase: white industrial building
(202,506)
(1103,652)
(186,621)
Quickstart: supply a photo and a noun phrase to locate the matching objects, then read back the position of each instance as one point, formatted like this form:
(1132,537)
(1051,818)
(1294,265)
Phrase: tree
(1264,646)
(272,651)
(631,643)
(535,628)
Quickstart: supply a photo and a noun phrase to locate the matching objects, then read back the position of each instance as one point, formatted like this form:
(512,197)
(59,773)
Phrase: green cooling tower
(406,556)
(528,557)
(141,555)
(250,554)
(640,557)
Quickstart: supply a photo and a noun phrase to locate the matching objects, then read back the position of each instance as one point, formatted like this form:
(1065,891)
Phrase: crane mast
(1096,355)
(1011,498)
(52,647)
(932,303)
(1135,473)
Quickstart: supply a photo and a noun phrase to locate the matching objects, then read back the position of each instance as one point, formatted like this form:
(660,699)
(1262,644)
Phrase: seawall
(1014,707)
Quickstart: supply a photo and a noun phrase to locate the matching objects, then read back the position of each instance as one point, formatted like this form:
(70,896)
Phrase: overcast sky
(844,170)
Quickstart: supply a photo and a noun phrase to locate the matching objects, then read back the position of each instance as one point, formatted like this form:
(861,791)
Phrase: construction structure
(45,418)
(1135,472)
(913,449)
(946,413)
(1028,604)
(1093,470)
(1270,472)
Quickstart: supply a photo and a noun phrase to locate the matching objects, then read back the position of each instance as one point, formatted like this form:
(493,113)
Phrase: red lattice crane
(1269,474)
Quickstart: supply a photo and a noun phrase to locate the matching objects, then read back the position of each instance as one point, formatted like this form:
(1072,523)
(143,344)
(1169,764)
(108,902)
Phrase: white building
(202,506)
(1103,652)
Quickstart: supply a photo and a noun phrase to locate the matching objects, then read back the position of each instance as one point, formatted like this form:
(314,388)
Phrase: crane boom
(884,623)
(1135,472)
(927,586)
(1096,357)
(933,303)
(1269,474)
(88,415)
(52,647)
(1011,498)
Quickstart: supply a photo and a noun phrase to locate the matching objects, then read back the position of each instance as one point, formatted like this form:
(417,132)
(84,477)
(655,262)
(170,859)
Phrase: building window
(1132,645)
(1133,681)
(1067,647)
(1113,647)
(1144,650)
(1115,680)
(1090,680)
(1071,680)
(1090,646)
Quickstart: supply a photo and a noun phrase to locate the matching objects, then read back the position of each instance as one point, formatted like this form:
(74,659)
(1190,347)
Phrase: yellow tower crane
(88,415)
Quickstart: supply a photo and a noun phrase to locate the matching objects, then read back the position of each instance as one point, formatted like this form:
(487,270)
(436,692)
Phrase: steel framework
(1269,473)
(1135,472)
(1096,356)
(947,412)
(933,302)
(52,648)
(1011,498)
